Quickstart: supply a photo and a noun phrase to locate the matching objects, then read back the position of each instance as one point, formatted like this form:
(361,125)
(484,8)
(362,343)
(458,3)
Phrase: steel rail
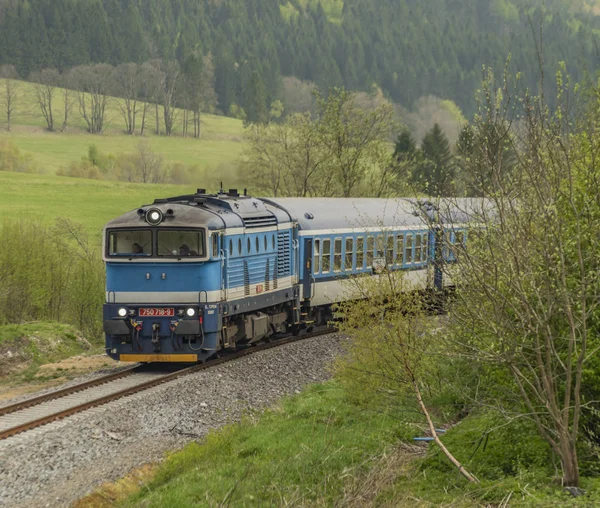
(35,401)
(32,424)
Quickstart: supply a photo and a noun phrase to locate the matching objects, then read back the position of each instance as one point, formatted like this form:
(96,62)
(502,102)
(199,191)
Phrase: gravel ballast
(62,462)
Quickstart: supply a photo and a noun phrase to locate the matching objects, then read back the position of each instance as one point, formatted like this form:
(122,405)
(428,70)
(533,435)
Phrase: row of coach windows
(257,244)
(397,250)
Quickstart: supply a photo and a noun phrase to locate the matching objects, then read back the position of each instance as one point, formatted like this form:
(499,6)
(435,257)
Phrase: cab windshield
(136,242)
(183,243)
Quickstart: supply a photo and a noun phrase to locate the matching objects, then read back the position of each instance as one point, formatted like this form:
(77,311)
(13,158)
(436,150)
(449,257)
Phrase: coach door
(307,271)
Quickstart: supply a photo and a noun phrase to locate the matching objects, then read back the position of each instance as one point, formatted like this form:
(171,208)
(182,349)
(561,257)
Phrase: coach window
(370,250)
(379,246)
(317,257)
(418,248)
(337,255)
(425,252)
(389,250)
(399,249)
(448,246)
(408,251)
(360,253)
(349,254)
(459,240)
(326,262)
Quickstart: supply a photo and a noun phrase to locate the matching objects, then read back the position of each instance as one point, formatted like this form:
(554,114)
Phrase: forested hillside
(410,48)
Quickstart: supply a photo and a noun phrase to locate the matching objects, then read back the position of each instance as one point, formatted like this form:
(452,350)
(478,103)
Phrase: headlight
(191,312)
(154,216)
(122,312)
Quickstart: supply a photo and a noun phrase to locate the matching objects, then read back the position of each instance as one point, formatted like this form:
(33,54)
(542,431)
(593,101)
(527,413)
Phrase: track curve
(38,411)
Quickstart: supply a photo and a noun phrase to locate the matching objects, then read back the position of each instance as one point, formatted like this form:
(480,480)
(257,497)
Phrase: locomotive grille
(268,277)
(283,254)
(246,279)
(260,222)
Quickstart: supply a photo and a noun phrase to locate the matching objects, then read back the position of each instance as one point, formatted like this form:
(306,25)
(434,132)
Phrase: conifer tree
(434,175)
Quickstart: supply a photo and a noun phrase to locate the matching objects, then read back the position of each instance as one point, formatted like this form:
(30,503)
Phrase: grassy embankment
(32,356)
(321,448)
(221,141)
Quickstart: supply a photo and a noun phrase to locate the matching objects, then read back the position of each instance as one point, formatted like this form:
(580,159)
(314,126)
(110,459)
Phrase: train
(190,276)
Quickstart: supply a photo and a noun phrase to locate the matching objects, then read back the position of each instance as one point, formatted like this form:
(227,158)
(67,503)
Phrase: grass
(221,140)
(302,452)
(320,448)
(89,202)
(24,348)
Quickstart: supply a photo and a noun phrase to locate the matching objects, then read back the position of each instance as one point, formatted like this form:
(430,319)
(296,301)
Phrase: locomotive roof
(358,213)
(216,211)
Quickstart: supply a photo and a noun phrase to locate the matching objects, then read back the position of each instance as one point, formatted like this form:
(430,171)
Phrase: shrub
(50,273)
(11,159)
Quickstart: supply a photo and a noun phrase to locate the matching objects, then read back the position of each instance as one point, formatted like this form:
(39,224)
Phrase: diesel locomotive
(188,276)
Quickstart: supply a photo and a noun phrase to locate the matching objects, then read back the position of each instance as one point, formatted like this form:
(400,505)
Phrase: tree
(169,80)
(68,97)
(391,358)
(127,85)
(255,100)
(527,309)
(355,139)
(149,92)
(45,86)
(9,75)
(93,85)
(199,87)
(144,166)
(434,174)
(288,159)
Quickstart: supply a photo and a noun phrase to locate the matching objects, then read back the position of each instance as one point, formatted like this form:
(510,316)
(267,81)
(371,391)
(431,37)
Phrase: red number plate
(157,312)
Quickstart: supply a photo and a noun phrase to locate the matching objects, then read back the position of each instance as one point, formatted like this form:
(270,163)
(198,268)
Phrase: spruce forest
(409,48)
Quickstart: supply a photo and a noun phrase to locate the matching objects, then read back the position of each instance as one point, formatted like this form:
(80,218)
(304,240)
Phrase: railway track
(30,414)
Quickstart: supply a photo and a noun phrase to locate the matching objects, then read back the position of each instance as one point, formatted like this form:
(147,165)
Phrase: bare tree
(45,86)
(145,165)
(10,76)
(93,83)
(68,100)
(128,87)
(149,92)
(168,83)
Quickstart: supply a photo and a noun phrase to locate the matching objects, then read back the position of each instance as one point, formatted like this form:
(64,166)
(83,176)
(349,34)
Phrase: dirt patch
(53,374)
(111,493)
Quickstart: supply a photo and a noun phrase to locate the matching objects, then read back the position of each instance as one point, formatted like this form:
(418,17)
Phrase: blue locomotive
(191,275)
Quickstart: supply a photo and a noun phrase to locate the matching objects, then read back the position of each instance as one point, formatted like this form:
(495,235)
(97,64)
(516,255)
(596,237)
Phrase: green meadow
(221,141)
(89,202)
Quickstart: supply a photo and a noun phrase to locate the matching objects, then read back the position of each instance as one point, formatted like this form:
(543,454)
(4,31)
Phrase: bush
(492,448)
(50,273)
(11,159)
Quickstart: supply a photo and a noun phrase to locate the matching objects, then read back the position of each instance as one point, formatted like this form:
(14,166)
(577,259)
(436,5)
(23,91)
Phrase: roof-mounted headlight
(154,216)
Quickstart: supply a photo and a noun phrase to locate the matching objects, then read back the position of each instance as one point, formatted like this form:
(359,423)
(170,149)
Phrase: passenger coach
(190,275)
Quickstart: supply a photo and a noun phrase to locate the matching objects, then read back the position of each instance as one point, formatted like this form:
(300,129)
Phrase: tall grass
(50,273)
